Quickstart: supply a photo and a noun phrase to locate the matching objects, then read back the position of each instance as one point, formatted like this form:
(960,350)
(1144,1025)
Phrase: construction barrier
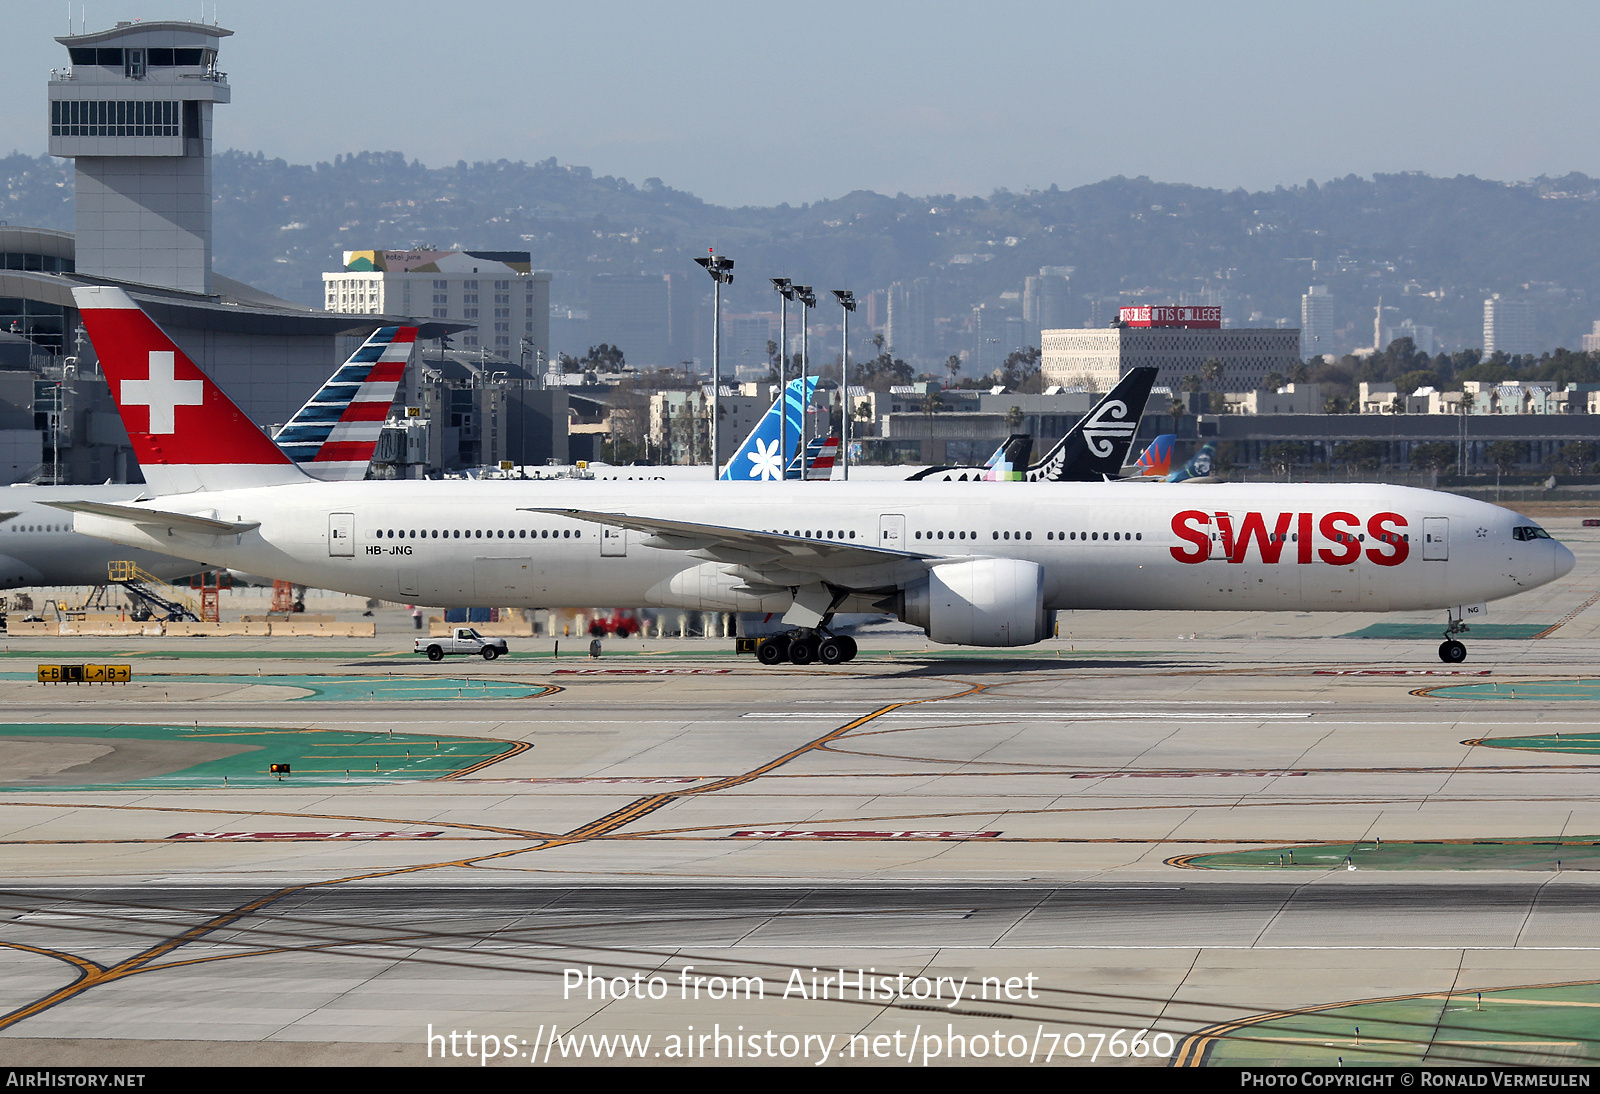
(100,629)
(85,674)
(220,630)
(325,630)
(155,629)
(438,628)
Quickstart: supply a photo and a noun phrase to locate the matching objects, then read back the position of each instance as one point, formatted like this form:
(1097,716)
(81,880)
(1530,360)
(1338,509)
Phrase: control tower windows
(116,118)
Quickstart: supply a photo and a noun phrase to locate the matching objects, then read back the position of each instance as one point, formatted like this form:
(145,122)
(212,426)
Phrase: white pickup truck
(461,640)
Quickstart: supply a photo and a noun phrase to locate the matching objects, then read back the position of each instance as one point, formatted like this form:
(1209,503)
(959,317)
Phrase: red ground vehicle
(623,624)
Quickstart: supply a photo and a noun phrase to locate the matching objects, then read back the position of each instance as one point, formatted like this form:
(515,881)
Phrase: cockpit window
(1529,532)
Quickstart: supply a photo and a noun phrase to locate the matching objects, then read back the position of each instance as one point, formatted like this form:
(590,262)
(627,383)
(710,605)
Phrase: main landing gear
(1451,651)
(802,647)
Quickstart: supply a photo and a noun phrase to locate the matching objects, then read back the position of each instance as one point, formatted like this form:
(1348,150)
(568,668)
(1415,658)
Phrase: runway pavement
(1052,828)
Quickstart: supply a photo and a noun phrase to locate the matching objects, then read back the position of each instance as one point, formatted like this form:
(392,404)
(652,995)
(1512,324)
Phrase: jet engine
(987,602)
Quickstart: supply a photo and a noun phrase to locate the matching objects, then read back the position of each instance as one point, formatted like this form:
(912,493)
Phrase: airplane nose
(1563,561)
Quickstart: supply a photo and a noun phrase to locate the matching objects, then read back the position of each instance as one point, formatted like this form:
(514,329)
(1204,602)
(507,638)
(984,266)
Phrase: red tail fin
(187,434)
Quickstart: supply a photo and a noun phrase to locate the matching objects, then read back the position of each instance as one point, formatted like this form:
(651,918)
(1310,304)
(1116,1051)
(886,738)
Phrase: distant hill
(1432,247)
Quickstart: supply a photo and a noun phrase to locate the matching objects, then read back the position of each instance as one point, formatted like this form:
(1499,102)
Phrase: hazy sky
(747,103)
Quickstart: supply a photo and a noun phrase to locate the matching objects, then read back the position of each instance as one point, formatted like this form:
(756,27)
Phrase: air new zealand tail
(1093,450)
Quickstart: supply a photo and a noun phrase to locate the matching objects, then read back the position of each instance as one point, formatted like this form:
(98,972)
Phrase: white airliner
(333,436)
(985,568)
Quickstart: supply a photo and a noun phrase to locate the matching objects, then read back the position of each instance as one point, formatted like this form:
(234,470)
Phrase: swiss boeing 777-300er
(984,567)
(333,437)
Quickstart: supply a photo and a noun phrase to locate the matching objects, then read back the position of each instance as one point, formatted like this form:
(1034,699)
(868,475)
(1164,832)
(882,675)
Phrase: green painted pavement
(354,688)
(1546,1025)
(316,757)
(1577,743)
(1436,630)
(1560,690)
(1534,853)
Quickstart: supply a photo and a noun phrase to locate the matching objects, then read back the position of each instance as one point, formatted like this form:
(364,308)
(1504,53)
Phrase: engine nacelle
(988,602)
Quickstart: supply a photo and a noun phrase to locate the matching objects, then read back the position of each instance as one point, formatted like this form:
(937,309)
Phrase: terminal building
(1177,340)
(133,108)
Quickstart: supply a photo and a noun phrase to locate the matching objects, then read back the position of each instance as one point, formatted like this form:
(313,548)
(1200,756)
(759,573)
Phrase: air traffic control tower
(133,110)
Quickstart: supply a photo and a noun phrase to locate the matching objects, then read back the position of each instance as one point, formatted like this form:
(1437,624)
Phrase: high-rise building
(910,325)
(1420,334)
(1044,305)
(1508,326)
(1316,322)
(632,312)
(499,293)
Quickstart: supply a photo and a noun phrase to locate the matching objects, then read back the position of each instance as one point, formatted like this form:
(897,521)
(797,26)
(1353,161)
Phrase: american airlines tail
(157,389)
(334,435)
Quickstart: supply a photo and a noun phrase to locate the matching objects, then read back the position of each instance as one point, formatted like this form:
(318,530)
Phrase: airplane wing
(8,514)
(746,546)
(183,522)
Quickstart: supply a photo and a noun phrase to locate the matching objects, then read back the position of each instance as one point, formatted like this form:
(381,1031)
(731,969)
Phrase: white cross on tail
(163,393)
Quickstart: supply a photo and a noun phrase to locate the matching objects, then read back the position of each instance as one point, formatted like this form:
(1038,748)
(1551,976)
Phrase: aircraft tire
(490,653)
(1452,652)
(849,647)
(772,651)
(831,651)
(435,653)
(803,652)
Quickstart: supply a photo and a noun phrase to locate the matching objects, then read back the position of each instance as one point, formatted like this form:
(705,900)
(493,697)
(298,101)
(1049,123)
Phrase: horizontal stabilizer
(182,522)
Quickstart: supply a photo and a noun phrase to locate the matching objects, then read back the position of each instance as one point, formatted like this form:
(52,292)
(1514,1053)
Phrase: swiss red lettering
(1350,547)
(1379,528)
(1303,539)
(1201,541)
(1255,526)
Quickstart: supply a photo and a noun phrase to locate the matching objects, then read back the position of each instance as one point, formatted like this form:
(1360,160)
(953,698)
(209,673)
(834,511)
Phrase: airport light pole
(720,267)
(808,299)
(847,300)
(785,289)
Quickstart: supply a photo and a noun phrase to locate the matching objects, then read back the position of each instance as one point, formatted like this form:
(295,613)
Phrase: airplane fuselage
(1116,546)
(39,547)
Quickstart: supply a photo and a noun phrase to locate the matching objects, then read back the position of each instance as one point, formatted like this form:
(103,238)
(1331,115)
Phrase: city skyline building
(1316,322)
(1509,326)
(496,298)
(1176,340)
